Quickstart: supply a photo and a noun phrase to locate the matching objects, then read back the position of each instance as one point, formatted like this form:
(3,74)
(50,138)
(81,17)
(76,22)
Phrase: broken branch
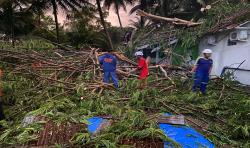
(175,21)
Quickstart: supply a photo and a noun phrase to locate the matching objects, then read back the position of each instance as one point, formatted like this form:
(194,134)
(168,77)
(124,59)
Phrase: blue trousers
(200,81)
(113,76)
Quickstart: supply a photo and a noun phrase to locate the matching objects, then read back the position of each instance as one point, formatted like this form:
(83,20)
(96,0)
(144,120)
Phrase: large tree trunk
(39,18)
(12,27)
(103,23)
(143,6)
(119,19)
(118,14)
(12,35)
(54,5)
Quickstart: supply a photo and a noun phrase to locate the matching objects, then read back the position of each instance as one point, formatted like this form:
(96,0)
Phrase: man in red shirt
(143,68)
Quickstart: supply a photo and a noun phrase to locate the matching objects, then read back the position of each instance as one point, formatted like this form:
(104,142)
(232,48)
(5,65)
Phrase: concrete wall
(232,56)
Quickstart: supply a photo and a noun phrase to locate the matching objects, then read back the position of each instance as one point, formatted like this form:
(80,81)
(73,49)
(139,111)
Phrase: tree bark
(119,19)
(118,14)
(54,5)
(12,27)
(39,18)
(103,23)
(12,35)
(143,6)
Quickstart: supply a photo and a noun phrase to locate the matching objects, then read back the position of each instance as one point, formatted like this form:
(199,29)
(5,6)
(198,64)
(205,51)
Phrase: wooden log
(176,120)
(166,75)
(125,73)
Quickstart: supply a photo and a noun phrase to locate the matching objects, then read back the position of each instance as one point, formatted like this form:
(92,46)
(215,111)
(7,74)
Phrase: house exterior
(231,50)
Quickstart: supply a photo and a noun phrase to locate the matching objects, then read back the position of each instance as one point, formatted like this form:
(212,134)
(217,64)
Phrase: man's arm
(115,62)
(210,70)
(100,59)
(140,65)
(195,66)
(134,70)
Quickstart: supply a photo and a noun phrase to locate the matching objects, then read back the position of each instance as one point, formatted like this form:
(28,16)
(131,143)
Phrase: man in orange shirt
(143,68)
(1,94)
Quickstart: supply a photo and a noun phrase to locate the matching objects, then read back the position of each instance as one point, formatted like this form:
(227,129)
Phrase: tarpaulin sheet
(187,137)
(94,123)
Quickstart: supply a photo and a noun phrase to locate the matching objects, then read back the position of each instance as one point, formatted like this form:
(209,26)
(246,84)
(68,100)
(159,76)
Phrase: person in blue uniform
(202,70)
(108,63)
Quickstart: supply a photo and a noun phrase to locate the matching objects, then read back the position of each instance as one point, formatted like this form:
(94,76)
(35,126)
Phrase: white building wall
(229,56)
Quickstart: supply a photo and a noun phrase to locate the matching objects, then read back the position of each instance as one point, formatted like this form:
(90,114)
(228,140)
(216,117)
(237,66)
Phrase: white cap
(207,51)
(138,53)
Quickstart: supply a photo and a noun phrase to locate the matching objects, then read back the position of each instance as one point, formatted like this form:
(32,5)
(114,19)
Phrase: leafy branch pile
(221,15)
(61,89)
(60,68)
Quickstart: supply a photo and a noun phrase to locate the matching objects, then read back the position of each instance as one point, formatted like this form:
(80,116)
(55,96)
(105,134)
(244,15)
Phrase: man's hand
(132,71)
(194,69)
(191,74)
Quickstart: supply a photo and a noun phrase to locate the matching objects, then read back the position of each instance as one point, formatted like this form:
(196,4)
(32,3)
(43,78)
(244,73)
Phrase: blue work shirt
(108,62)
(204,65)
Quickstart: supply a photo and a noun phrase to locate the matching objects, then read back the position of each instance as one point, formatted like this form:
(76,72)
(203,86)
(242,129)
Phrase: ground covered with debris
(61,90)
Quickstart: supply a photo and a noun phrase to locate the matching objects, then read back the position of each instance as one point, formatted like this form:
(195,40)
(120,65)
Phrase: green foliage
(14,21)
(19,134)
(29,44)
(222,10)
(224,111)
(37,44)
(80,138)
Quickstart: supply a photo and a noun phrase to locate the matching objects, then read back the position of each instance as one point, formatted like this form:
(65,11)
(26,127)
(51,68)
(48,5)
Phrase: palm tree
(99,8)
(138,24)
(117,5)
(15,19)
(39,5)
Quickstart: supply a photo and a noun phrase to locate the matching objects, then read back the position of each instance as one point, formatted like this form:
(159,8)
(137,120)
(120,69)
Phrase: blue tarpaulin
(186,136)
(94,123)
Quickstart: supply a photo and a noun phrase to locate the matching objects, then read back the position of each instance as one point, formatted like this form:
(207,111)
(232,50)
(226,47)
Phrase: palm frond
(134,9)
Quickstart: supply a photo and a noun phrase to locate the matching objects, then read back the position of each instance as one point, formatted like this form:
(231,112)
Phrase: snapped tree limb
(175,21)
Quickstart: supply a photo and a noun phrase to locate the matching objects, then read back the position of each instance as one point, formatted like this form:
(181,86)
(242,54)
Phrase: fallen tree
(175,21)
(67,89)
